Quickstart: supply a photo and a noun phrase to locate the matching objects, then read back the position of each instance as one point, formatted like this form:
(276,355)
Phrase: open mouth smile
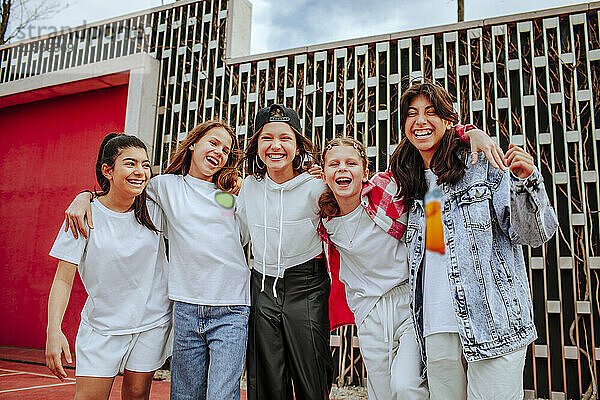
(422,133)
(343,181)
(136,182)
(277,156)
(212,161)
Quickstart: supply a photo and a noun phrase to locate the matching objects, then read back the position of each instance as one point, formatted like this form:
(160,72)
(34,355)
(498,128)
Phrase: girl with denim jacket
(470,295)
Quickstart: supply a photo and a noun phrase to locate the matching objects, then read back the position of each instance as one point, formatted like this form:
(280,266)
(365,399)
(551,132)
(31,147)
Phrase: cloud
(305,22)
(295,23)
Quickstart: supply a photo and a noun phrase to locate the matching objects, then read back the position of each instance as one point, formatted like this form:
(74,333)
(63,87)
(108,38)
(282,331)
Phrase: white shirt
(123,268)
(282,220)
(207,264)
(438,311)
(372,262)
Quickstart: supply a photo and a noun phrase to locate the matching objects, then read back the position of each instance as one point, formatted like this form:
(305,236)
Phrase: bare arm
(78,213)
(56,342)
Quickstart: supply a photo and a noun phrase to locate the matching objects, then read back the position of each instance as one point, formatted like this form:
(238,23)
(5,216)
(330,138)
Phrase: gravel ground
(349,392)
(338,393)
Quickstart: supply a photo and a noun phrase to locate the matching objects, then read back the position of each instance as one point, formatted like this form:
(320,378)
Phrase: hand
(78,213)
(315,170)
(519,161)
(56,345)
(480,141)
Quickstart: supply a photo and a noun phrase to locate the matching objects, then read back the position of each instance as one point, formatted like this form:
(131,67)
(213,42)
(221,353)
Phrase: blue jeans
(208,351)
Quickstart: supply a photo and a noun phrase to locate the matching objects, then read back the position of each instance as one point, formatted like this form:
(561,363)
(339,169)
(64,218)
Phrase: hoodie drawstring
(388,327)
(280,240)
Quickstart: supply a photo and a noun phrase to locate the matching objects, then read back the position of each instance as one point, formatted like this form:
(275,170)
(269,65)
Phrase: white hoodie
(281,220)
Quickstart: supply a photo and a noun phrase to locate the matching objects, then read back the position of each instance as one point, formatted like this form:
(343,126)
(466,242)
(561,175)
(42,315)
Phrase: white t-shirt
(438,311)
(372,262)
(207,264)
(123,268)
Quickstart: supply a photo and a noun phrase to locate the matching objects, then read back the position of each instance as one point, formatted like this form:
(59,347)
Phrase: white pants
(451,377)
(390,350)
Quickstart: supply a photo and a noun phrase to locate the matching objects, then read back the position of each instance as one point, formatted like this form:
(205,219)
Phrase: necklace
(351,239)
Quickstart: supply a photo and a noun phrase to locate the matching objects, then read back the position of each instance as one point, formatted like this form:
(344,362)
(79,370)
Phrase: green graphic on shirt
(225,200)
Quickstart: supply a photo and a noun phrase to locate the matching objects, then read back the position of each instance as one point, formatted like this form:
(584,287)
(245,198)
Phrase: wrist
(462,131)
(53,331)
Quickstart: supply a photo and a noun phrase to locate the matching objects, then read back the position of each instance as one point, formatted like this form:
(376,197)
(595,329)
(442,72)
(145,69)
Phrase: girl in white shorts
(126,319)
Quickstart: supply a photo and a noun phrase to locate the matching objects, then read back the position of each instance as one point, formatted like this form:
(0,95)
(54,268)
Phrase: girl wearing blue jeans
(208,274)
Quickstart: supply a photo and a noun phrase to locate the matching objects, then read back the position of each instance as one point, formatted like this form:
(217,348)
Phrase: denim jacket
(486,217)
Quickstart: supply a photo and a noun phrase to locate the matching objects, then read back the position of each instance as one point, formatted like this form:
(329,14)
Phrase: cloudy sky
(278,25)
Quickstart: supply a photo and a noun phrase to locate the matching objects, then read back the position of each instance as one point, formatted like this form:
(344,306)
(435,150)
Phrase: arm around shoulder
(78,213)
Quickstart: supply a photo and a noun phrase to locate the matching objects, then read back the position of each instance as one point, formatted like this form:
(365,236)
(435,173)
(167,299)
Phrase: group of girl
(466,314)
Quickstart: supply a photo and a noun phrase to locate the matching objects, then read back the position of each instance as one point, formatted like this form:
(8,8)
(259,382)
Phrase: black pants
(288,336)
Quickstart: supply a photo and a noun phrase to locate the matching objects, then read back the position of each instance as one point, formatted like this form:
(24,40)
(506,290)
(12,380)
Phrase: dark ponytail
(110,148)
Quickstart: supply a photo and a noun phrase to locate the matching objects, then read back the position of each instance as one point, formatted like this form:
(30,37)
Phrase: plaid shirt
(379,203)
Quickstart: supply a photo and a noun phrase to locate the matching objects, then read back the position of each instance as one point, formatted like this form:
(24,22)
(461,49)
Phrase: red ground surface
(33,382)
(21,377)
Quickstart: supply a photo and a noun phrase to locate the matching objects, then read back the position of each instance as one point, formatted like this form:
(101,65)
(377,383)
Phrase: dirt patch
(337,393)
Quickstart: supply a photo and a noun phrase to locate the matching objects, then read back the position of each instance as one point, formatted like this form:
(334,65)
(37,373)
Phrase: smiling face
(130,173)
(344,171)
(210,153)
(277,149)
(423,127)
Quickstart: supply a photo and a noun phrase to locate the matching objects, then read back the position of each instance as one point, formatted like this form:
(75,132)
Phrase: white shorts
(98,355)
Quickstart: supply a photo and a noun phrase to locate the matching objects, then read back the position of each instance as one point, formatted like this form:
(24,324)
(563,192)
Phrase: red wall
(48,151)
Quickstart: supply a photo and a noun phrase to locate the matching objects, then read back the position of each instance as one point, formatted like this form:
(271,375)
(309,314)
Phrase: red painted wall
(48,151)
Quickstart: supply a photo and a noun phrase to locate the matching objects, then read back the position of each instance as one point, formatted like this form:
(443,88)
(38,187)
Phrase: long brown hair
(406,163)
(112,145)
(301,162)
(226,177)
(328,204)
